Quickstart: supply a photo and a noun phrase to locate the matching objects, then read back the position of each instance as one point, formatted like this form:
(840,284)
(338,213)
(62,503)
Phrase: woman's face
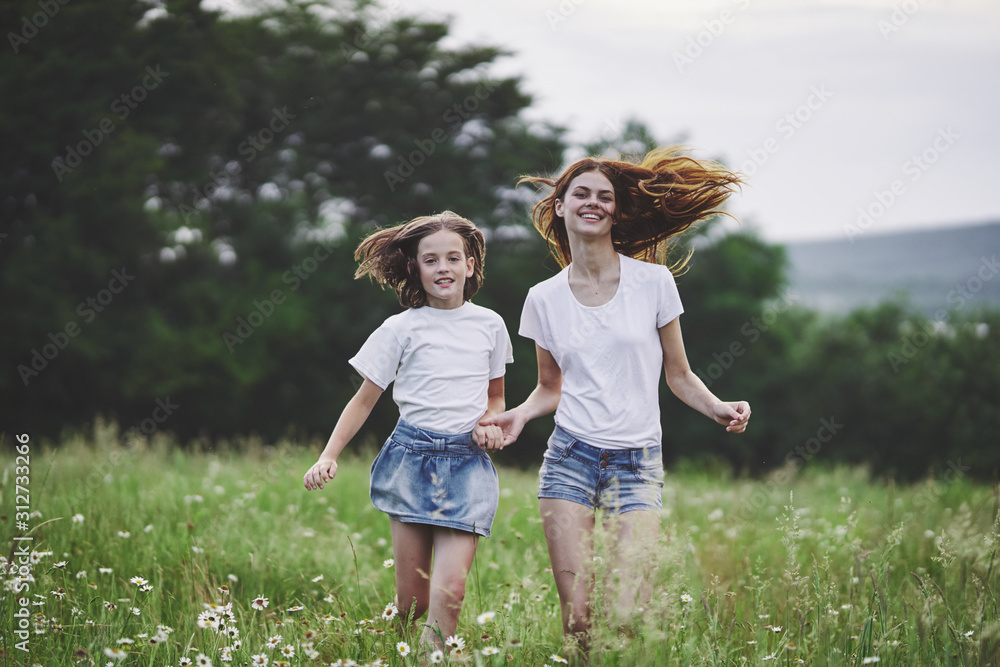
(588,207)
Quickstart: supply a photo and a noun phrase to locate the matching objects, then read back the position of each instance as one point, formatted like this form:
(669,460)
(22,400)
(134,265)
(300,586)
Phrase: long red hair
(655,200)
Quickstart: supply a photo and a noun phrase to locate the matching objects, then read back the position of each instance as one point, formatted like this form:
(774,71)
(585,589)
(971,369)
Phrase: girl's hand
(734,415)
(321,472)
(511,423)
(489,437)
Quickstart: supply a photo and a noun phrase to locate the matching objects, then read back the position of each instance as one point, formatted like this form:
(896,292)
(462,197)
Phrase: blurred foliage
(182,192)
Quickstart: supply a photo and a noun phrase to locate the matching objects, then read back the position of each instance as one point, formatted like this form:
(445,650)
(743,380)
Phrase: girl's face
(444,269)
(588,207)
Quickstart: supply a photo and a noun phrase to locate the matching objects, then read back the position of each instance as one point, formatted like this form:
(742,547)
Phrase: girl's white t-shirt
(442,362)
(610,356)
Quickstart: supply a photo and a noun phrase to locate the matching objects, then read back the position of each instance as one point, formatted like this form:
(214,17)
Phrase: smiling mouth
(590,216)
(444,282)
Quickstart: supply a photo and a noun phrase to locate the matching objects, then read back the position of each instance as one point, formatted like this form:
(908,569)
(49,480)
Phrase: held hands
(510,423)
(733,415)
(488,437)
(321,472)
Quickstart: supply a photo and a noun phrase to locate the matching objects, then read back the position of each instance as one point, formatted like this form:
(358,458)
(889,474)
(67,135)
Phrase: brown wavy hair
(389,256)
(655,200)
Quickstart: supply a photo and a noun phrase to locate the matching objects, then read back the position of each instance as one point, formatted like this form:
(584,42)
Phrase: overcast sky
(823,104)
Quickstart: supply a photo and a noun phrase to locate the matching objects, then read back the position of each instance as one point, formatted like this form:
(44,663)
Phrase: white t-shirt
(442,362)
(610,356)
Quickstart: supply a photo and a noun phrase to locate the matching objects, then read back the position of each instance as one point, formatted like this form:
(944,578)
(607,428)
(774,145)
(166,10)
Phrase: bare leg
(633,537)
(454,551)
(569,533)
(411,548)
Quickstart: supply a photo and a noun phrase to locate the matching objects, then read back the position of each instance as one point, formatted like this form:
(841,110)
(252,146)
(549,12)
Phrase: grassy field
(149,555)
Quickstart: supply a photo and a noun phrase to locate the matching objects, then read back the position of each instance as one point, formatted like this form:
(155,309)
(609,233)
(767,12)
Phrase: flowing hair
(389,256)
(655,200)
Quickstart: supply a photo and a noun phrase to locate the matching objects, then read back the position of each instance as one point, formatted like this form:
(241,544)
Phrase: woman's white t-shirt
(610,356)
(442,362)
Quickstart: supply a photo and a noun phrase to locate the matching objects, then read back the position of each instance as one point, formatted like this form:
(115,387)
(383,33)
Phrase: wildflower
(138,581)
(207,619)
(388,562)
(389,612)
(185,662)
(437,657)
(61,593)
(686,598)
(752,642)
(486,617)
(319,578)
(288,651)
(259,603)
(296,608)
(203,660)
(135,611)
(969,633)
(455,642)
(148,528)
(490,650)
(104,570)
(82,574)
(403,648)
(224,589)
(775,629)
(773,656)
(329,598)
(77,518)
(111,606)
(310,652)
(226,654)
(165,629)
(125,640)
(115,653)
(894,642)
(871,660)
(274,641)
(124,533)
(514,642)
(558,658)
(61,564)
(259,660)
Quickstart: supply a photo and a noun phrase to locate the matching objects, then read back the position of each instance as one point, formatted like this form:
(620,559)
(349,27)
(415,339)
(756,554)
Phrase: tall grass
(821,567)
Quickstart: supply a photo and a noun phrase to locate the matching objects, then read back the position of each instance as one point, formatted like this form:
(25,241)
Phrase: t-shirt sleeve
(378,359)
(531,321)
(669,307)
(502,353)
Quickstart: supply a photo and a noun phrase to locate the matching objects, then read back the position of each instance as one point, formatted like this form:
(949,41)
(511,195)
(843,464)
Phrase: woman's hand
(321,472)
(733,415)
(510,423)
(489,437)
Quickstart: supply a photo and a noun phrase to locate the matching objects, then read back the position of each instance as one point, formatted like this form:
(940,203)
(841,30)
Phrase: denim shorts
(434,478)
(614,480)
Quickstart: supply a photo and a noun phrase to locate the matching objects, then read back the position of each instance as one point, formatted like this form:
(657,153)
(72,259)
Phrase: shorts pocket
(558,448)
(647,464)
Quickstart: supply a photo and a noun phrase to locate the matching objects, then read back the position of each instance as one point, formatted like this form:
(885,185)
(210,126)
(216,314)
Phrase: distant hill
(938,271)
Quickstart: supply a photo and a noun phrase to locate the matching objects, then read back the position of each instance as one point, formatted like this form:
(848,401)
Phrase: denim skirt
(439,479)
(613,480)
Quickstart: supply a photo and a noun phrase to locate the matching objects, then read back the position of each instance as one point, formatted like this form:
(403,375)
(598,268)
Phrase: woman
(602,328)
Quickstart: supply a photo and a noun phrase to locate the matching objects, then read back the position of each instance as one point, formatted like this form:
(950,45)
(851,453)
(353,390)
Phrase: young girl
(447,357)
(604,327)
